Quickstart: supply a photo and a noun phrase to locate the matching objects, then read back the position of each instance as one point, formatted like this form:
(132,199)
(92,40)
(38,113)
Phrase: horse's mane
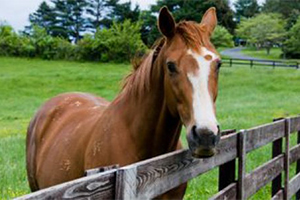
(192,33)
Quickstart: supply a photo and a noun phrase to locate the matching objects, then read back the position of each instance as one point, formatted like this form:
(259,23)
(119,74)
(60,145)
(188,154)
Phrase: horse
(175,84)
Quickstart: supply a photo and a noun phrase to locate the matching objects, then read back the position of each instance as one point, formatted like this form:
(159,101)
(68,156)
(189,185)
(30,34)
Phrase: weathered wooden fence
(149,178)
(261,62)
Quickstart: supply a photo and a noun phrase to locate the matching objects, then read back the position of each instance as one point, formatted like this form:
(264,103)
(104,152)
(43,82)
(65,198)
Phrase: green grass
(247,97)
(275,53)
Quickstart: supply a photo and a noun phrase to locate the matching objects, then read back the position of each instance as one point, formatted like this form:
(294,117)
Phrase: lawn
(247,97)
(275,53)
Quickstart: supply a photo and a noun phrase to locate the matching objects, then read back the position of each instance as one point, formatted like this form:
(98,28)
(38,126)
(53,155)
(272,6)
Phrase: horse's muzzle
(202,142)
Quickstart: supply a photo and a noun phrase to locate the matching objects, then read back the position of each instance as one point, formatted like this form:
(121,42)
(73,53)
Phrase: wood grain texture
(127,183)
(160,174)
(294,185)
(287,131)
(295,124)
(262,135)
(298,163)
(242,165)
(99,186)
(227,193)
(262,175)
(90,172)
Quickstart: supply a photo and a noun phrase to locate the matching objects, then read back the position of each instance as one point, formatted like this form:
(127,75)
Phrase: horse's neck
(154,129)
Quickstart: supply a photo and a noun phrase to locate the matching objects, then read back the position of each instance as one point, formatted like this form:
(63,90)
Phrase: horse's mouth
(203,152)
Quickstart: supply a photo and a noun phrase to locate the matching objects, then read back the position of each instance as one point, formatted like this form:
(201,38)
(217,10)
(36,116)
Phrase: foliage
(120,42)
(292,44)
(246,8)
(289,10)
(185,10)
(221,37)
(264,30)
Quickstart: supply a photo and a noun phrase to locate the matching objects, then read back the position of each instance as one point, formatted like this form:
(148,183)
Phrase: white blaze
(202,101)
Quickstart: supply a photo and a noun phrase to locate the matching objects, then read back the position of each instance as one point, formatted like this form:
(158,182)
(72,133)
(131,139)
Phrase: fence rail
(261,62)
(150,178)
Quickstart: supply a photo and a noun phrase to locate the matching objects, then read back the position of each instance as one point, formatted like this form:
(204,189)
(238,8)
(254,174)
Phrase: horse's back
(57,135)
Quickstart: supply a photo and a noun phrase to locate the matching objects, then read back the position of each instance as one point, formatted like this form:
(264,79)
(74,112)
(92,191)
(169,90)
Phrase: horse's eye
(171,67)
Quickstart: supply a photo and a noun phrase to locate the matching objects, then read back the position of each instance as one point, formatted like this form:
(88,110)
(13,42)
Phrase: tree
(221,37)
(185,10)
(292,44)
(264,30)
(120,12)
(289,9)
(70,20)
(246,8)
(95,9)
(44,17)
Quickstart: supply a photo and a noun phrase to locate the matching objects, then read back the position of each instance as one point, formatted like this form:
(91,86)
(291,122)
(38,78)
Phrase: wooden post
(126,183)
(298,164)
(230,62)
(227,170)
(251,63)
(286,159)
(242,164)
(276,150)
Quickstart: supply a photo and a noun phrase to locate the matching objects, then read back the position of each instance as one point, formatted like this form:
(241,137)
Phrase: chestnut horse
(175,84)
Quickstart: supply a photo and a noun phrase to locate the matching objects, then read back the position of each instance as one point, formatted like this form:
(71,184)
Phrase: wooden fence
(260,62)
(149,178)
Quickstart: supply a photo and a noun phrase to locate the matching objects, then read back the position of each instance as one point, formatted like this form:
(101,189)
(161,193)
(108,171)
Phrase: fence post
(276,150)
(242,165)
(286,159)
(126,183)
(298,164)
(227,171)
(230,62)
(273,64)
(251,63)
(297,65)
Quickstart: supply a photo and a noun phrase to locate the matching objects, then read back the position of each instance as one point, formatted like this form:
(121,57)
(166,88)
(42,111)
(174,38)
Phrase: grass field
(275,53)
(247,97)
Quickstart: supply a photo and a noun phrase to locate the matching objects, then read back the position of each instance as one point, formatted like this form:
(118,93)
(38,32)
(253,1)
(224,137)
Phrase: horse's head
(191,66)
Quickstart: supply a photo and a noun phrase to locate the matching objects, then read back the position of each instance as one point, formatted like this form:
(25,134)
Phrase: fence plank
(295,124)
(294,185)
(278,196)
(227,170)
(286,159)
(227,193)
(242,165)
(98,186)
(294,153)
(264,134)
(158,175)
(276,151)
(298,163)
(263,175)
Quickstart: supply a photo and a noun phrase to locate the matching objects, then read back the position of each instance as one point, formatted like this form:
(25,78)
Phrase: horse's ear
(209,20)
(166,22)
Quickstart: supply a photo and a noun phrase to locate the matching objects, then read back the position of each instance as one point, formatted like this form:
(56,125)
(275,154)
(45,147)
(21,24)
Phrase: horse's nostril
(194,131)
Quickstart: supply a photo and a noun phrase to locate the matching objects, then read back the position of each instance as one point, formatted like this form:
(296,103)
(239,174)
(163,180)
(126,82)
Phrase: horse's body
(74,132)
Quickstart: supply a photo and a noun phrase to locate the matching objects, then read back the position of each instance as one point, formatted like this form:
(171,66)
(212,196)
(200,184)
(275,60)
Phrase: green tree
(290,10)
(221,37)
(70,19)
(246,8)
(95,9)
(185,10)
(292,44)
(120,42)
(44,17)
(264,30)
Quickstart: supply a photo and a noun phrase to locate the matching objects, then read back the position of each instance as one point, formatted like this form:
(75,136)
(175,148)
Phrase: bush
(221,37)
(119,43)
(292,44)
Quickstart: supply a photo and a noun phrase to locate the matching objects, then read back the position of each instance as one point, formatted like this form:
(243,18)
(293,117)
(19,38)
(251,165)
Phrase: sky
(16,12)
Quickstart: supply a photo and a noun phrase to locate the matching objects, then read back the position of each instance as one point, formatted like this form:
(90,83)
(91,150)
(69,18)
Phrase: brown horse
(175,84)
